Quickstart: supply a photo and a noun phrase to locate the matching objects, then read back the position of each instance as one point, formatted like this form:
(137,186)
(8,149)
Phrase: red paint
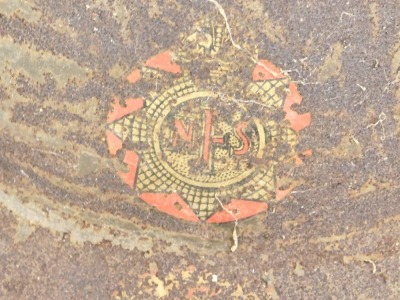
(134,76)
(163,61)
(297,121)
(207,135)
(281,194)
(308,152)
(246,143)
(292,98)
(113,142)
(218,140)
(187,136)
(240,208)
(119,111)
(265,70)
(299,159)
(171,204)
(132,160)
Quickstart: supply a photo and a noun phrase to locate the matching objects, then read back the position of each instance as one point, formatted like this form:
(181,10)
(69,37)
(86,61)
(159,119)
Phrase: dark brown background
(71,230)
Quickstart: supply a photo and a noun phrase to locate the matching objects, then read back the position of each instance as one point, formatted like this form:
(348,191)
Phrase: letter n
(186,135)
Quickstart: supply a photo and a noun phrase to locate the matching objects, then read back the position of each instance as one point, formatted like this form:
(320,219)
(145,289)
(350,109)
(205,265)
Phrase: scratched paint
(194,143)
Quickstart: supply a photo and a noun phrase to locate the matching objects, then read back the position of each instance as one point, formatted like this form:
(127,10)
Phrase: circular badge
(211,126)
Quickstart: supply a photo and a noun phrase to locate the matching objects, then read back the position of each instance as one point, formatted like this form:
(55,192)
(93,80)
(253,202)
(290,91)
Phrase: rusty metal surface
(70,229)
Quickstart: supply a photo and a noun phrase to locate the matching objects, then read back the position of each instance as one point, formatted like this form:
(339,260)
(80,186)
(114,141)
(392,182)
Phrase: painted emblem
(207,126)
